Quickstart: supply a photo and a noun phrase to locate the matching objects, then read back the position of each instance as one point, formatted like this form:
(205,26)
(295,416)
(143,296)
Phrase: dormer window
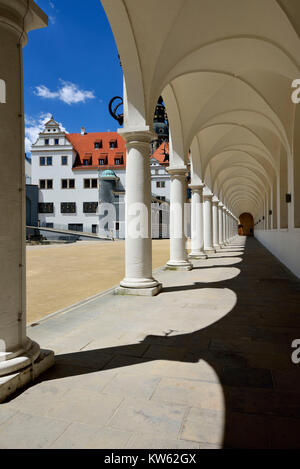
(98,145)
(113,144)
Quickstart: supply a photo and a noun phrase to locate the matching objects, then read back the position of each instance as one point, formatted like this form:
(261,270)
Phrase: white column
(208,223)
(215,217)
(138,241)
(227,227)
(178,253)
(224,226)
(220,215)
(17,351)
(197,241)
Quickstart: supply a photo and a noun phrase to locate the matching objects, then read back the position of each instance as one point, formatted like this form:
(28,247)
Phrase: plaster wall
(284,244)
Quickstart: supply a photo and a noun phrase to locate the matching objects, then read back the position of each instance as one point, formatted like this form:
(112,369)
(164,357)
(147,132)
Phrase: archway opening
(246,225)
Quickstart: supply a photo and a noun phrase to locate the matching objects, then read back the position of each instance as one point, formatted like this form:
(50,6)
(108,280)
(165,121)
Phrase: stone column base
(11,383)
(151,291)
(210,251)
(197,255)
(172,265)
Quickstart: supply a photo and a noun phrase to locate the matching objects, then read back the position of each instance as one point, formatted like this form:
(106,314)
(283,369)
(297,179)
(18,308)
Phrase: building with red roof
(78,173)
(104,150)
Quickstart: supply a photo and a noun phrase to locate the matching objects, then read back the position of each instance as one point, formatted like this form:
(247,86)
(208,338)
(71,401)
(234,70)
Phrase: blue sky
(71,69)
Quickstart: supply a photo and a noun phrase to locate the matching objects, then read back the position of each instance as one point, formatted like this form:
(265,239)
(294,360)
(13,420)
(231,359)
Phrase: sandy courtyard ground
(61,275)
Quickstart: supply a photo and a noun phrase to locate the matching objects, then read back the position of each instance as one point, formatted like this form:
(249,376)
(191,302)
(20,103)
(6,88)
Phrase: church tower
(160,124)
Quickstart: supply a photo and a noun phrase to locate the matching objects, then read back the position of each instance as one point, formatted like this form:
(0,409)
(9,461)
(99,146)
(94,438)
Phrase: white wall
(284,244)
(159,173)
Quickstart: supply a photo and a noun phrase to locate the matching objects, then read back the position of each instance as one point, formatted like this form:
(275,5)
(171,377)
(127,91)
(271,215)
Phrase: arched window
(2,92)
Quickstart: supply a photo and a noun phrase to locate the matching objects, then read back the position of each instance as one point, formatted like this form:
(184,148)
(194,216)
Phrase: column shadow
(249,349)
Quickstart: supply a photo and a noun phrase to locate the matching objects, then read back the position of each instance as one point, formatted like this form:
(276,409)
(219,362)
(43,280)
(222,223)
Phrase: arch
(134,93)
(296,167)
(246,224)
(2,91)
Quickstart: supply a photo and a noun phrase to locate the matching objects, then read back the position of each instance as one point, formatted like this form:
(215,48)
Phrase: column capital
(196,187)
(177,171)
(224,208)
(215,200)
(207,196)
(220,204)
(22,16)
(139,135)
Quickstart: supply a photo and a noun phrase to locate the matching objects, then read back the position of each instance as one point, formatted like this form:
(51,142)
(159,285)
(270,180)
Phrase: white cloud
(69,93)
(34,126)
(52,19)
(51,4)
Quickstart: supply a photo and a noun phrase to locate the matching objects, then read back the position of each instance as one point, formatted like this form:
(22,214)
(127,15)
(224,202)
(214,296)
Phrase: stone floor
(205,364)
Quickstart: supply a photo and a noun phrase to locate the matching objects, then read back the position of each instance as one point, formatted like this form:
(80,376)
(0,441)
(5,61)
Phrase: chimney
(83,130)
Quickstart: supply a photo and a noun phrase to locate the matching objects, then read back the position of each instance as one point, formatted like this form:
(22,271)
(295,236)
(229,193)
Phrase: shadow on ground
(249,349)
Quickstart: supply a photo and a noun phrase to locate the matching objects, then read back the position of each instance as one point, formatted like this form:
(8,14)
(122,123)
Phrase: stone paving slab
(82,436)
(149,417)
(205,364)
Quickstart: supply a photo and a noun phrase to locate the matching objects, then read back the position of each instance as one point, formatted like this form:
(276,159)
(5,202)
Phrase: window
(46,141)
(90,183)
(101,162)
(46,208)
(113,144)
(117,161)
(46,184)
(68,183)
(86,162)
(64,160)
(98,145)
(75,227)
(94,229)
(160,184)
(68,207)
(56,141)
(90,207)
(117,226)
(45,161)
(49,225)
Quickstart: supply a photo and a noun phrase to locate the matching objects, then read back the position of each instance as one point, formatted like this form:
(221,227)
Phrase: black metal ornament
(113,108)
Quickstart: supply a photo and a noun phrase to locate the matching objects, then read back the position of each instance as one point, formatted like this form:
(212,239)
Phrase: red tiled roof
(84,145)
(159,154)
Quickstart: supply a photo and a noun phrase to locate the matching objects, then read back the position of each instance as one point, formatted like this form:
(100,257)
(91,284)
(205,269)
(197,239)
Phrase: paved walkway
(62,275)
(205,364)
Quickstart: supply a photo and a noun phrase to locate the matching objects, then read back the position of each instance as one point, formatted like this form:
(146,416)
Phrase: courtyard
(61,275)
